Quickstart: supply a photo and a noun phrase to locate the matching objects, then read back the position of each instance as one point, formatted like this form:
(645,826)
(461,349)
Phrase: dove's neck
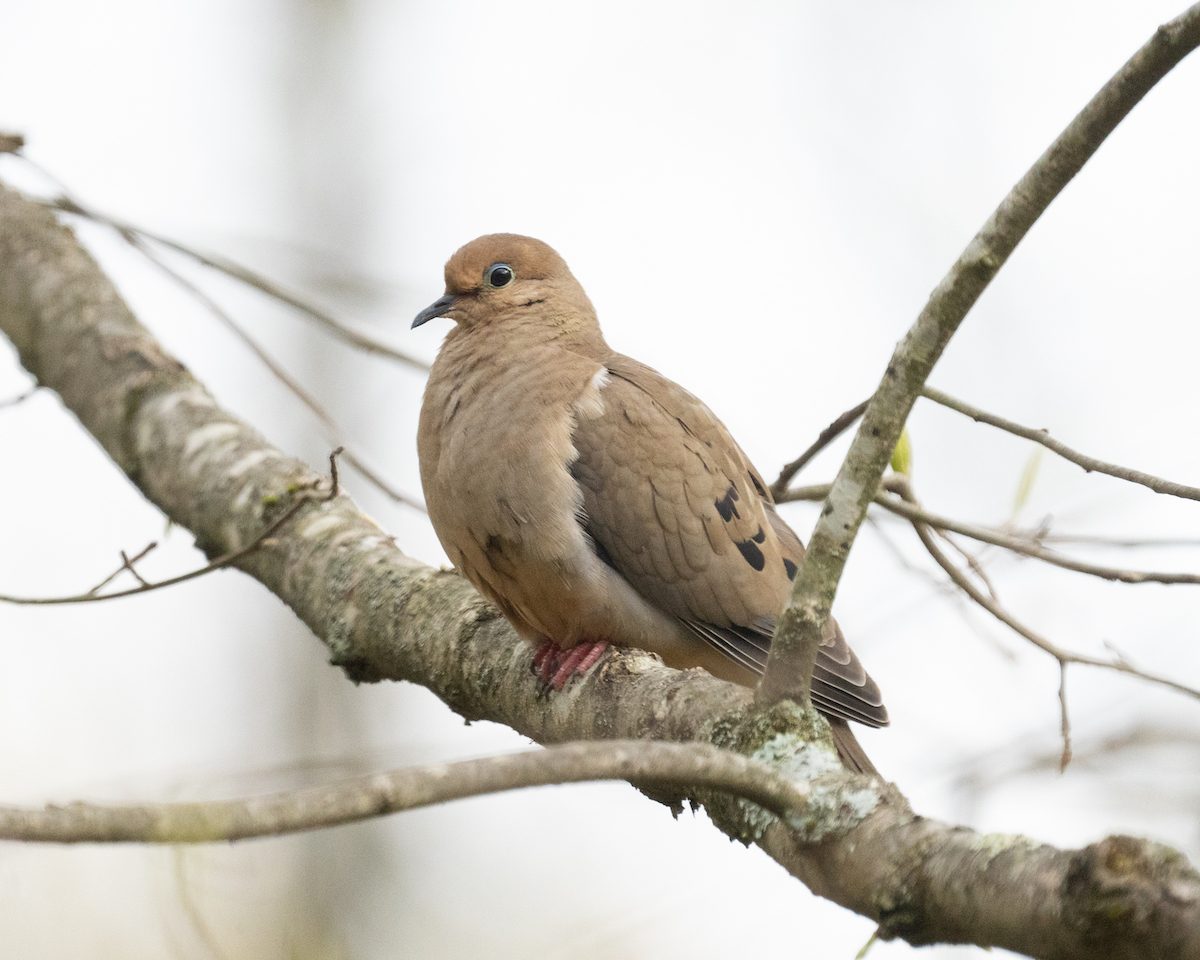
(568,324)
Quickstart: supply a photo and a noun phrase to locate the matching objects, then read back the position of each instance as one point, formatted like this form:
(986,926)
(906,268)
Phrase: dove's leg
(556,667)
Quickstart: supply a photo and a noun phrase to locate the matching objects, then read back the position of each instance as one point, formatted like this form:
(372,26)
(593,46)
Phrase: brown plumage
(592,499)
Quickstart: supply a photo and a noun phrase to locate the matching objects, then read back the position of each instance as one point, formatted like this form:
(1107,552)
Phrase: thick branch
(794,650)
(689,766)
(386,616)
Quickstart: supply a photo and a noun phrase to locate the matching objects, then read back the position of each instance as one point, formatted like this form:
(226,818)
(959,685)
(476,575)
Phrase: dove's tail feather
(849,750)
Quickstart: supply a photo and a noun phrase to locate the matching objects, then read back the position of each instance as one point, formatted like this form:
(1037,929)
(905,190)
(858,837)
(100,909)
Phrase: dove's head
(506,278)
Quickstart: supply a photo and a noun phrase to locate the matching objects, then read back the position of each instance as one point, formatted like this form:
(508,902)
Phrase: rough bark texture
(386,616)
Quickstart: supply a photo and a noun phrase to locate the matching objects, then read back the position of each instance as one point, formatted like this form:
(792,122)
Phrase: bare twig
(824,439)
(1102,540)
(1065,722)
(1119,664)
(290,383)
(1028,546)
(303,497)
(11,142)
(1089,464)
(972,563)
(1015,760)
(127,563)
(790,665)
(1025,544)
(244,275)
(684,765)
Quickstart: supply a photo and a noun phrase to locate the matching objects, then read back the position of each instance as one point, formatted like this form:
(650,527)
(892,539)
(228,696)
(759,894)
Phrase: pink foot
(544,660)
(556,667)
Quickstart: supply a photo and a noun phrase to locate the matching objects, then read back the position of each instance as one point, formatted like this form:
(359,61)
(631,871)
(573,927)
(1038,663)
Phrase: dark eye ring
(499,275)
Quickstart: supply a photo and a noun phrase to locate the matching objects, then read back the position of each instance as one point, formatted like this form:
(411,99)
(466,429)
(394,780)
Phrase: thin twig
(1089,464)
(686,765)
(127,563)
(964,583)
(789,668)
(960,603)
(1026,545)
(245,275)
(824,439)
(1065,723)
(1101,540)
(303,497)
(290,383)
(972,563)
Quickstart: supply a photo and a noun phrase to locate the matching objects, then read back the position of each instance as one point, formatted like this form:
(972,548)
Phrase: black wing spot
(725,506)
(752,554)
(758,486)
(789,568)
(494,544)
(760,536)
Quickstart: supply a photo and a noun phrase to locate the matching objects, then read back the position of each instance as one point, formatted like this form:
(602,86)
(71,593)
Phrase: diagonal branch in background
(386,616)
(1089,464)
(299,497)
(835,429)
(798,636)
(655,765)
(144,242)
(1026,544)
(905,504)
(276,370)
(244,275)
(1064,657)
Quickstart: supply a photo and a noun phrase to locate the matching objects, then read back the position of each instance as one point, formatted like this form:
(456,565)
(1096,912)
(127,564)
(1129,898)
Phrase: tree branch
(1120,665)
(244,275)
(1025,545)
(794,649)
(689,766)
(1090,464)
(276,370)
(300,497)
(835,429)
(386,616)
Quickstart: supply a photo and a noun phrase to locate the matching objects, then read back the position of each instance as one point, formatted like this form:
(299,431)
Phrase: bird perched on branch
(593,500)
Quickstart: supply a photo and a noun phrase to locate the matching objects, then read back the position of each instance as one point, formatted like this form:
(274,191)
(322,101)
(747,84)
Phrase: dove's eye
(499,275)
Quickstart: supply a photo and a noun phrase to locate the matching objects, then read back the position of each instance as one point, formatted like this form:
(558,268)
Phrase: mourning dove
(593,500)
